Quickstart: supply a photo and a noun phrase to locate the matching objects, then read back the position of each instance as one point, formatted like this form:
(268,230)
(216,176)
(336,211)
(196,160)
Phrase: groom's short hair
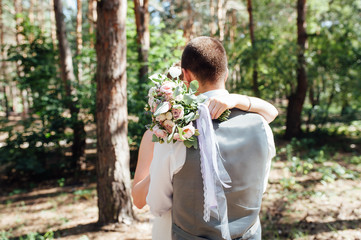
(206,58)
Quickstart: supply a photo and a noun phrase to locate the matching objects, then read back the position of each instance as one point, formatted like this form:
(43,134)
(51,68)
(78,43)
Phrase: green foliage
(4,235)
(333,69)
(288,183)
(61,182)
(305,156)
(37,236)
(35,149)
(165,49)
(84,194)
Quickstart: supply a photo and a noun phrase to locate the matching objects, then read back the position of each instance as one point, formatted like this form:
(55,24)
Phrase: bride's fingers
(220,110)
(211,106)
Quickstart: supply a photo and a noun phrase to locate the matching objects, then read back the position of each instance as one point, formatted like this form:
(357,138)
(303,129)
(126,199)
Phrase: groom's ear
(225,79)
(186,77)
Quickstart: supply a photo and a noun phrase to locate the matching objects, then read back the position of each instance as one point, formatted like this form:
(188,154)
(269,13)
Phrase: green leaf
(155,138)
(189,117)
(170,137)
(192,142)
(201,98)
(161,108)
(194,85)
(178,90)
(224,116)
(189,99)
(180,132)
(196,133)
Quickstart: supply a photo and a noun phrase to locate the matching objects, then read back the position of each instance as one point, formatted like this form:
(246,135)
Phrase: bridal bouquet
(174,107)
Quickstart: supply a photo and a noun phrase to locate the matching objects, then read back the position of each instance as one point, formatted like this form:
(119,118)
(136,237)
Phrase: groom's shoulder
(241,117)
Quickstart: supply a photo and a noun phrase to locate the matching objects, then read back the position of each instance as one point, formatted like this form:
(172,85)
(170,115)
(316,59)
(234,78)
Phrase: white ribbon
(214,175)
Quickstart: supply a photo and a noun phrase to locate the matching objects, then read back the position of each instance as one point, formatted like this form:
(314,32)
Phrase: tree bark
(41,16)
(297,98)
(3,64)
(143,37)
(18,21)
(31,19)
(68,77)
(79,39)
(221,18)
(254,56)
(212,24)
(52,23)
(19,40)
(31,12)
(233,27)
(92,17)
(113,176)
(188,26)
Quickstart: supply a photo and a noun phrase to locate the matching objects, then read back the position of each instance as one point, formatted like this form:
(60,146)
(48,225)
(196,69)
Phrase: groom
(245,143)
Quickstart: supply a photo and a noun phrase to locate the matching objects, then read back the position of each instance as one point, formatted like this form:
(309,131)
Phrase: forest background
(302,56)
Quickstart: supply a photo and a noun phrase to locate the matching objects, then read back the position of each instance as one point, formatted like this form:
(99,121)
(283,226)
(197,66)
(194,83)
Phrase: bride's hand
(217,105)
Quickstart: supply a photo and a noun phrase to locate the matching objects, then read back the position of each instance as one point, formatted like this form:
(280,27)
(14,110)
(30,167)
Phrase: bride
(217,105)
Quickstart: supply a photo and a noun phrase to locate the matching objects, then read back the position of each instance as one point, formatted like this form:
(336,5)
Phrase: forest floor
(313,211)
(295,206)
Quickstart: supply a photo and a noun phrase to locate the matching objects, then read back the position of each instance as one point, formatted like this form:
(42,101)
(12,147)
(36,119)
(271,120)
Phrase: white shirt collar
(216,92)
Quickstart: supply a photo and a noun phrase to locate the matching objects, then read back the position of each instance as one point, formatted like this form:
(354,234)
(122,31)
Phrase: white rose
(161,117)
(175,71)
(188,131)
(169,115)
(151,91)
(158,76)
(179,97)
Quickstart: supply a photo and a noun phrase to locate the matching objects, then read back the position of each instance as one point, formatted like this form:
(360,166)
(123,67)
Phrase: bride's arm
(141,176)
(217,105)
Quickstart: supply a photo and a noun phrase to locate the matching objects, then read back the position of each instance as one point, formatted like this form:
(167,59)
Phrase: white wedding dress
(162,227)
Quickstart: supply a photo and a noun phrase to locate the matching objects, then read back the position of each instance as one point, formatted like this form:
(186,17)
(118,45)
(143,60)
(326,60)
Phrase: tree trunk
(143,38)
(19,40)
(31,19)
(18,21)
(212,24)
(68,77)
(92,16)
(3,64)
(254,55)
(188,26)
(233,27)
(221,18)
(52,23)
(113,174)
(31,12)
(79,39)
(41,16)
(297,98)
(14,93)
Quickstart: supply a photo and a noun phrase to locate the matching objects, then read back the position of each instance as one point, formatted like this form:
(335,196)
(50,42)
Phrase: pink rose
(168,96)
(167,88)
(159,132)
(188,131)
(168,125)
(176,137)
(177,112)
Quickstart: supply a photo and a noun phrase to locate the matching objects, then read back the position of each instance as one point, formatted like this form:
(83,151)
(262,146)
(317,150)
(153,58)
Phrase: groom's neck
(210,87)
